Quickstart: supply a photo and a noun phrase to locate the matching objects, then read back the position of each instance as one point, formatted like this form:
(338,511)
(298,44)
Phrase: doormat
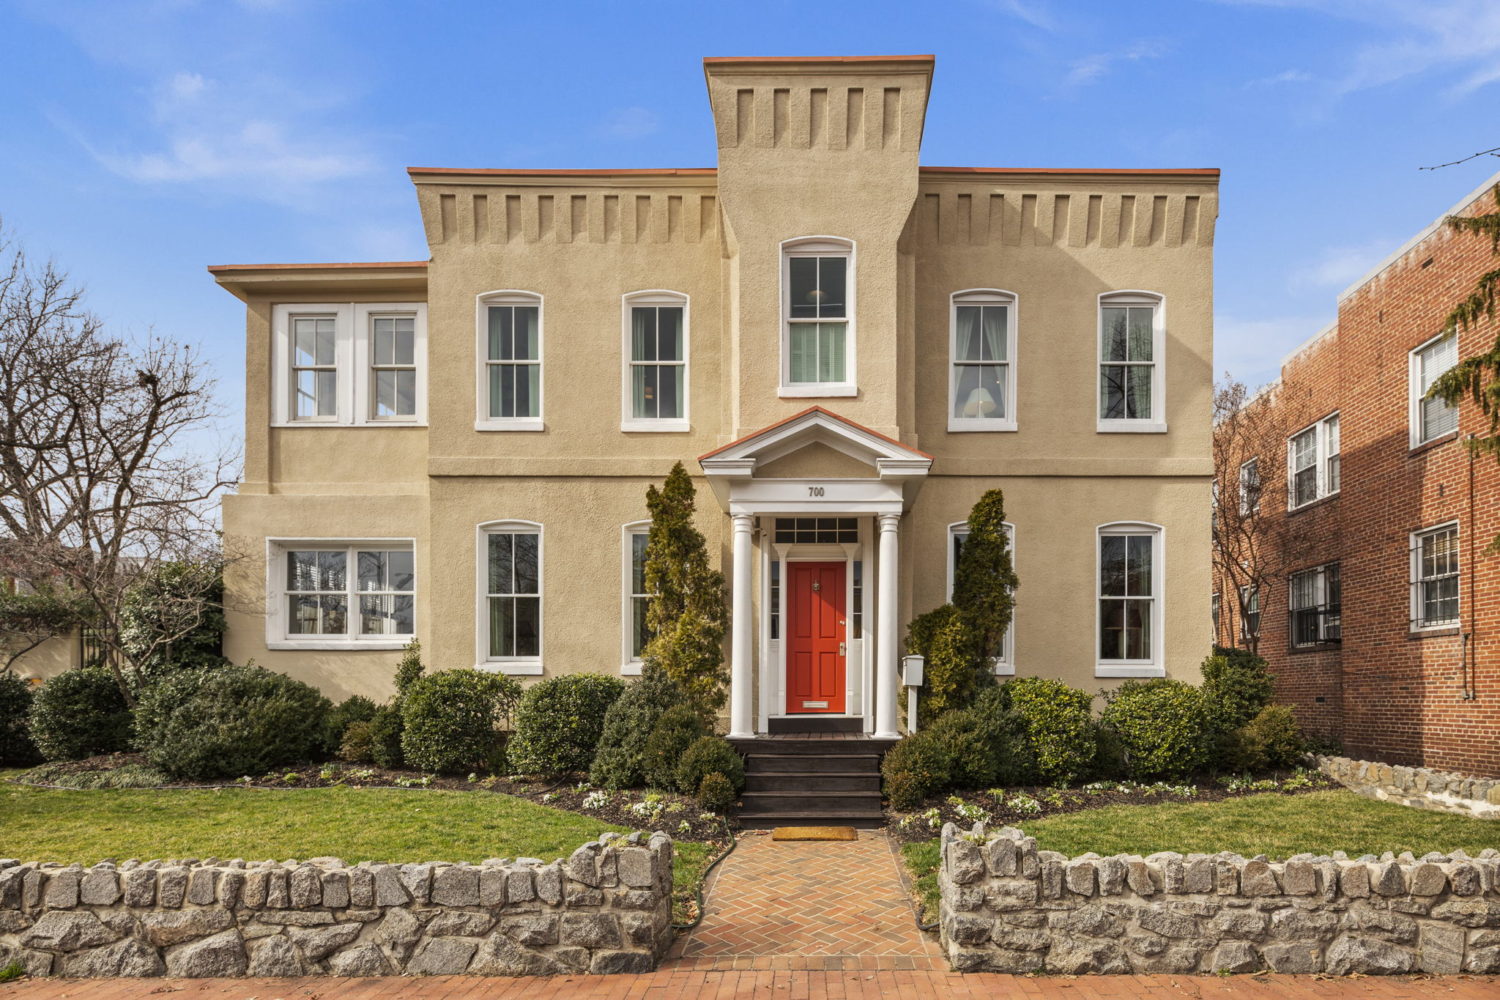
(814,833)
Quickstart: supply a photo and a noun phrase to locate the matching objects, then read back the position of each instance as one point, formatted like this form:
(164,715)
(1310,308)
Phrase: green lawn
(356,824)
(1275,825)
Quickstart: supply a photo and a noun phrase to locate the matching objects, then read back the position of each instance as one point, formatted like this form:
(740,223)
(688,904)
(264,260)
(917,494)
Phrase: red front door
(815,637)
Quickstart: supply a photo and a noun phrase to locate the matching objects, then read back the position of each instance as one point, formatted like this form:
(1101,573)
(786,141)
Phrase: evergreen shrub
(620,759)
(560,721)
(80,713)
(710,755)
(1163,727)
(451,720)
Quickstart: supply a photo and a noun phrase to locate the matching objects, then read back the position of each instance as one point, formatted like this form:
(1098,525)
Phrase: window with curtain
(658,362)
(1127,369)
(982,384)
(315,377)
(1432,418)
(817,317)
(513,365)
(1127,596)
(320,591)
(1435,577)
(393,367)
(514,594)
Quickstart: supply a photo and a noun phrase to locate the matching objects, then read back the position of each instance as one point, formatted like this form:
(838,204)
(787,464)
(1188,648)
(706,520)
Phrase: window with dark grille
(1435,577)
(1315,606)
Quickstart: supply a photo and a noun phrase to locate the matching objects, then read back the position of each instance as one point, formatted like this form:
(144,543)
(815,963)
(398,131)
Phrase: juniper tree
(686,613)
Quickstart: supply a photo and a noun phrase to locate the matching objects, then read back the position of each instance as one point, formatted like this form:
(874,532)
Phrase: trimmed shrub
(955,672)
(678,728)
(560,721)
(229,722)
(620,759)
(450,720)
(962,737)
(1270,740)
(716,792)
(358,744)
(1004,733)
(710,755)
(1059,742)
(80,713)
(347,712)
(1162,725)
(385,737)
(16,747)
(1236,686)
(915,768)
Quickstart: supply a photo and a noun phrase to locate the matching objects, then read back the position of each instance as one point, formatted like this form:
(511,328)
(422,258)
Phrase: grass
(1277,826)
(356,824)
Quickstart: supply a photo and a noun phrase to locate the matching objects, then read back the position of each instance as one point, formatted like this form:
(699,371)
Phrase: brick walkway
(817,906)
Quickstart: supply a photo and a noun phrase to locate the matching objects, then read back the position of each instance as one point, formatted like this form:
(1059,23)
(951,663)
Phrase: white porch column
(742,670)
(887,683)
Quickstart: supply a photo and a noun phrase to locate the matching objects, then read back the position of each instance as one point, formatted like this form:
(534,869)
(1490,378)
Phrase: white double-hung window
(634,634)
(349,363)
(656,362)
(817,291)
(1432,418)
(510,588)
(1130,582)
(335,594)
(1132,363)
(1002,660)
(1312,462)
(982,376)
(1434,577)
(510,362)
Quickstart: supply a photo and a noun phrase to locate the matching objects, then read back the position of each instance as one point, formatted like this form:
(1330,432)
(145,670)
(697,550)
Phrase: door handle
(841,649)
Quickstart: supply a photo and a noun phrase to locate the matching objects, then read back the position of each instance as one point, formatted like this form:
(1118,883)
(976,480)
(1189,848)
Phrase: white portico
(828,638)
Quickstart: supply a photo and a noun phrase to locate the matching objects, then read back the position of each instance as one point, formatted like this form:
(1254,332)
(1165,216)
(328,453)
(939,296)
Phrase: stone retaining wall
(1007,907)
(1416,786)
(607,908)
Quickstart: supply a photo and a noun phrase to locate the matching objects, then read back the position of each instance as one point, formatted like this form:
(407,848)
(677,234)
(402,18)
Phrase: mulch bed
(1015,808)
(678,815)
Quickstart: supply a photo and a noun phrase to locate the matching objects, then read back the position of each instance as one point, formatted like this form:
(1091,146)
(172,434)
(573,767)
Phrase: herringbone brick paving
(813,905)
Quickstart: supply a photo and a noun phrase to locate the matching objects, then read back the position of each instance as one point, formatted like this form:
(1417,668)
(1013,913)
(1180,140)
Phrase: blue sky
(144,139)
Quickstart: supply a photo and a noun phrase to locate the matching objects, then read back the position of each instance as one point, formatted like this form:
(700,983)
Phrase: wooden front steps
(823,778)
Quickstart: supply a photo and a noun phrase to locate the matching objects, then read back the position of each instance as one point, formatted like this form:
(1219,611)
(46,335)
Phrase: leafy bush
(1163,727)
(172,618)
(716,792)
(710,755)
(560,721)
(1270,740)
(962,738)
(955,672)
(347,712)
(80,713)
(915,768)
(358,744)
(1003,731)
(678,728)
(451,719)
(16,747)
(385,737)
(1236,685)
(230,722)
(620,760)
(1059,742)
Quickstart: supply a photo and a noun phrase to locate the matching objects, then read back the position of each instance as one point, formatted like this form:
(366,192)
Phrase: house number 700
(815,491)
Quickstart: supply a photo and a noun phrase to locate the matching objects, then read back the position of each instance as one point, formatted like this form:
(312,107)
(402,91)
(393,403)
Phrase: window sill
(1421,447)
(1314,647)
(528,424)
(816,389)
(655,426)
(391,642)
(1003,669)
(1131,427)
(1312,503)
(326,424)
(1129,670)
(632,669)
(511,668)
(968,425)
(1434,631)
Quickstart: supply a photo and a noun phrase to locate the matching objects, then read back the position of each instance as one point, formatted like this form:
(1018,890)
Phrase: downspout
(1467,666)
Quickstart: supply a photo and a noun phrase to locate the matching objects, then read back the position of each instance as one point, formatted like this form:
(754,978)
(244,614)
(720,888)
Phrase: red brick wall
(1388,693)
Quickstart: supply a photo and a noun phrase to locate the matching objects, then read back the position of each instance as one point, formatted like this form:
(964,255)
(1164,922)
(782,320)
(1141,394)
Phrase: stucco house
(845,347)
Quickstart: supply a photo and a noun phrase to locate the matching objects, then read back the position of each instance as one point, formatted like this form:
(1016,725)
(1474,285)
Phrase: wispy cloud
(1282,78)
(1337,267)
(1038,15)
(1252,348)
(631,123)
(1090,68)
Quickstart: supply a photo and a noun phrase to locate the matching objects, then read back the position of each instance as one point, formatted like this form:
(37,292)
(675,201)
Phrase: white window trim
(1156,665)
(1413,544)
(276,612)
(1005,664)
(1250,506)
(819,246)
(1135,297)
(517,666)
(630,665)
(980,297)
(351,361)
(1321,455)
(507,297)
(1414,389)
(669,425)
(1246,594)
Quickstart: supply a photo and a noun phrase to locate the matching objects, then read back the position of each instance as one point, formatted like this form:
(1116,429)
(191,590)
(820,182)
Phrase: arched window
(817,294)
(510,361)
(982,352)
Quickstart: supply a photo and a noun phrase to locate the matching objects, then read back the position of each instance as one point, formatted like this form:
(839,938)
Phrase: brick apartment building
(1379,609)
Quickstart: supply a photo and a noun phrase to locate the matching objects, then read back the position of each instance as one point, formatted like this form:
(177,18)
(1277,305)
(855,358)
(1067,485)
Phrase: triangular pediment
(816,460)
(814,425)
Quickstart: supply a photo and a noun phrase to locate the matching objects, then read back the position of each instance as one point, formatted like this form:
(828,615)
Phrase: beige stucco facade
(820,150)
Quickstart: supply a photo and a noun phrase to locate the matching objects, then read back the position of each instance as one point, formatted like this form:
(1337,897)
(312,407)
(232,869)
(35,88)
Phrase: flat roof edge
(1082,171)
(550,172)
(331,266)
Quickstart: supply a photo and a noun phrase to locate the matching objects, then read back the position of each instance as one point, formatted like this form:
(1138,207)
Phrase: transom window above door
(817,318)
(982,380)
(816,530)
(656,362)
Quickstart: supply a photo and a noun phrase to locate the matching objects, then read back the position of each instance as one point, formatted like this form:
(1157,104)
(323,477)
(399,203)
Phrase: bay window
(348,364)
